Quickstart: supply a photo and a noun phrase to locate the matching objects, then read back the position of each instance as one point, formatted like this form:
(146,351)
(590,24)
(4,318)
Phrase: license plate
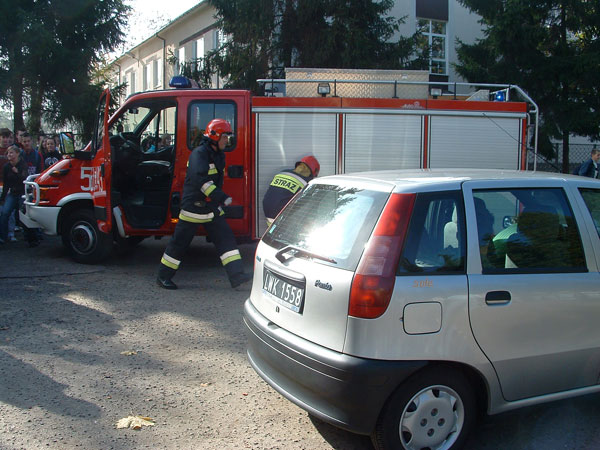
(286,293)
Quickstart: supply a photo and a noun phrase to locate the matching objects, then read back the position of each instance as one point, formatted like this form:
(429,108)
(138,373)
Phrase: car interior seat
(534,245)
(451,231)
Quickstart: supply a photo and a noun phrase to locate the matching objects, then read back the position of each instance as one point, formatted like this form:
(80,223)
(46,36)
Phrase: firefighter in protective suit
(288,183)
(202,204)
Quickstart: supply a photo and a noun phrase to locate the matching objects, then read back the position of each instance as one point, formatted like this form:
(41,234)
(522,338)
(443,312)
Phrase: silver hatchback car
(399,304)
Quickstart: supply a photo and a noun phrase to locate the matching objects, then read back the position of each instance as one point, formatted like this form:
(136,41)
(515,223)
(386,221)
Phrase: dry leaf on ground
(135,422)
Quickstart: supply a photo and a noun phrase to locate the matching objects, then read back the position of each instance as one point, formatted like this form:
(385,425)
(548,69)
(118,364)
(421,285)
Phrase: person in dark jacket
(31,156)
(202,204)
(590,167)
(288,183)
(14,173)
(5,142)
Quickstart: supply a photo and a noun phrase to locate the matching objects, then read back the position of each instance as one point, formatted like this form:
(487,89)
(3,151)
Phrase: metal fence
(578,153)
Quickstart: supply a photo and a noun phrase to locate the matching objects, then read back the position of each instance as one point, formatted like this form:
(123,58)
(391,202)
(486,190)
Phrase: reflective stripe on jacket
(202,193)
(283,187)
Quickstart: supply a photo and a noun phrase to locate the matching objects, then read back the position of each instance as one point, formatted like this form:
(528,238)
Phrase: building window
(147,77)
(157,72)
(180,59)
(199,47)
(219,39)
(433,36)
(130,77)
(432,9)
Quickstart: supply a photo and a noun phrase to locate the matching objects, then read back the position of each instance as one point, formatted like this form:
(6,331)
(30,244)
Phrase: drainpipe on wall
(119,80)
(164,75)
(164,60)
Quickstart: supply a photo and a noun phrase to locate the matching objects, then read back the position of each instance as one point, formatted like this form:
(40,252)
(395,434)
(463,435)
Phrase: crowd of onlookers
(21,155)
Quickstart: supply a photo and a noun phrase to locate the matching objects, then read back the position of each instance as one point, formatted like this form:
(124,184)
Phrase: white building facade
(190,36)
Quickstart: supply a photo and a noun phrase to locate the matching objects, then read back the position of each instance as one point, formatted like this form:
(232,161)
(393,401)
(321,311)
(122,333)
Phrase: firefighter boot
(166,283)
(163,279)
(238,279)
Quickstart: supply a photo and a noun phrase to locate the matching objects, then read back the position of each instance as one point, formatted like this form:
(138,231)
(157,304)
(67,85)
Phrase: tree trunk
(34,118)
(16,87)
(16,91)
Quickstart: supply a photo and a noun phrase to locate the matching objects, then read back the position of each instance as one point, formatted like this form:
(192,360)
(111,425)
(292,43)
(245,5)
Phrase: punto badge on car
(321,285)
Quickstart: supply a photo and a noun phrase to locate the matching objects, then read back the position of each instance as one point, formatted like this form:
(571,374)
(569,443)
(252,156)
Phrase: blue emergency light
(180,82)
(500,96)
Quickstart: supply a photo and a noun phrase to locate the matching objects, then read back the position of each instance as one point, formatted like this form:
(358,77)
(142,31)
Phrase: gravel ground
(82,347)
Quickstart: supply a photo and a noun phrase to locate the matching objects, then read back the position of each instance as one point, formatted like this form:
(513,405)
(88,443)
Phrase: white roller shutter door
(284,138)
(382,141)
(474,142)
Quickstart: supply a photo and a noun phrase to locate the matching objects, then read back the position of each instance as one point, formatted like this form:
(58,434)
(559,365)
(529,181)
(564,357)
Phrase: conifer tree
(265,36)
(548,47)
(48,50)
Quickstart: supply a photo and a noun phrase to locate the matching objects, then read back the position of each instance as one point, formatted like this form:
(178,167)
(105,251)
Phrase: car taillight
(374,280)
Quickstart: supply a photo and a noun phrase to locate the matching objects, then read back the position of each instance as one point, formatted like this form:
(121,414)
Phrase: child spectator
(50,153)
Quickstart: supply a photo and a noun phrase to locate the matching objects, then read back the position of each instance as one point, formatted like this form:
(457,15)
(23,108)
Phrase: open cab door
(98,176)
(86,232)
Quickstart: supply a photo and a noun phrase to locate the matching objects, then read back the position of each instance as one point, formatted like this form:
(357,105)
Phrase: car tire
(433,409)
(82,238)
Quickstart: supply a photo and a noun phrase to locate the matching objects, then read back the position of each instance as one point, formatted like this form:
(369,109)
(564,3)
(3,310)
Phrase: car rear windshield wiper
(290,251)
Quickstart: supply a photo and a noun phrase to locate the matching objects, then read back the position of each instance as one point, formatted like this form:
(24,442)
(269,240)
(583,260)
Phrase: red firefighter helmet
(216,128)
(312,164)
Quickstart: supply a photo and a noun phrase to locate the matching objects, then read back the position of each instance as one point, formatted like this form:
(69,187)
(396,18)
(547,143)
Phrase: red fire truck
(126,184)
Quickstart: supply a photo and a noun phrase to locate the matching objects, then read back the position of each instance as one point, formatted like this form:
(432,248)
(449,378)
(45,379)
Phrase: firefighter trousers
(218,231)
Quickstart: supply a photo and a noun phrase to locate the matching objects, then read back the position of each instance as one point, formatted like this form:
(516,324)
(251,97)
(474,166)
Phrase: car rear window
(333,222)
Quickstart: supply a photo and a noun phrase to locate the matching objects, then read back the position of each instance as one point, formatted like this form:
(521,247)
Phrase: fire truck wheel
(85,242)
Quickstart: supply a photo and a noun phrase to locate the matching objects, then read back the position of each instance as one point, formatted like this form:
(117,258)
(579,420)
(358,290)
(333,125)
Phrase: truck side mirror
(67,143)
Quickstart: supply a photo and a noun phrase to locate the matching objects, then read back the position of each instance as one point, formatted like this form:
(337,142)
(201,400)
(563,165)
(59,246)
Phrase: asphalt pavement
(82,347)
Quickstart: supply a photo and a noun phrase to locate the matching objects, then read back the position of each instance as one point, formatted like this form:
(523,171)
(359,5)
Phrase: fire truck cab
(126,184)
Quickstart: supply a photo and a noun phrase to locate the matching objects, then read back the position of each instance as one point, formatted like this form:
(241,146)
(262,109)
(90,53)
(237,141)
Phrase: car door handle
(497,297)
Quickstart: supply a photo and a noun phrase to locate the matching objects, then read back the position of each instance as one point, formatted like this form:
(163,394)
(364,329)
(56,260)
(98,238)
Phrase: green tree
(48,50)
(265,36)
(548,47)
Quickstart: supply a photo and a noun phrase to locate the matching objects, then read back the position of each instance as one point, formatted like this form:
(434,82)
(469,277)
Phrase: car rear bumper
(343,390)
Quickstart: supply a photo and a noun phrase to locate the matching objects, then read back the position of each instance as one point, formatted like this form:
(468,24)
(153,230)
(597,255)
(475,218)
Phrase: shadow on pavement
(25,387)
(340,439)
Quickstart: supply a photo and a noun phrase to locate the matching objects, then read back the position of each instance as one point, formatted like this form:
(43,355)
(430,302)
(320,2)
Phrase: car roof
(444,178)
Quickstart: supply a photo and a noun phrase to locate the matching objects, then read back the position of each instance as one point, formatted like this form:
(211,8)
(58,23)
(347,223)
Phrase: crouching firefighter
(288,183)
(202,204)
